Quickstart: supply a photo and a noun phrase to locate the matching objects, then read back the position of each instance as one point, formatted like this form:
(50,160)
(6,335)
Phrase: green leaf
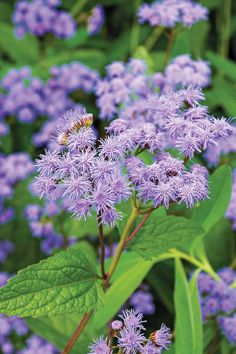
(24,51)
(58,330)
(224,65)
(212,210)
(64,283)
(186,328)
(90,57)
(160,234)
(130,276)
(197,314)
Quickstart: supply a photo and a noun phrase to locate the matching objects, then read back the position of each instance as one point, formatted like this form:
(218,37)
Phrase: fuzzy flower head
(100,346)
(162,337)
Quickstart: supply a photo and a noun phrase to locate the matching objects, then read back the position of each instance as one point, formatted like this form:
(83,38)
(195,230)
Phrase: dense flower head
(130,336)
(50,239)
(124,90)
(143,301)
(218,299)
(77,169)
(184,71)
(38,345)
(231,212)
(95,20)
(168,13)
(6,247)
(42,16)
(13,168)
(23,95)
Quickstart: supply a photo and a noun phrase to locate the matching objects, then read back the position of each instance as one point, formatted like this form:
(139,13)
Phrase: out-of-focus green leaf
(211,4)
(224,65)
(24,51)
(142,53)
(213,209)
(91,57)
(79,38)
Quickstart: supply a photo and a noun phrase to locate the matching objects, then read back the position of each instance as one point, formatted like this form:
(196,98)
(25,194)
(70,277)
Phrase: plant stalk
(77,333)
(102,246)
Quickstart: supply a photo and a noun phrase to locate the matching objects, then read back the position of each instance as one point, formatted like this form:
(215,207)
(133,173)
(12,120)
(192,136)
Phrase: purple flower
(162,337)
(96,20)
(100,346)
(130,340)
(143,301)
(132,319)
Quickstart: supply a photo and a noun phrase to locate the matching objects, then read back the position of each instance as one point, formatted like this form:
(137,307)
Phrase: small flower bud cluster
(41,224)
(126,87)
(128,333)
(6,247)
(13,168)
(184,71)
(123,83)
(23,95)
(10,327)
(143,301)
(231,212)
(169,13)
(218,300)
(95,20)
(40,17)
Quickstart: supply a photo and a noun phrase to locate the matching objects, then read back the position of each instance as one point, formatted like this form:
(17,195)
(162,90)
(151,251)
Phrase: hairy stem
(153,38)
(224,27)
(77,333)
(102,246)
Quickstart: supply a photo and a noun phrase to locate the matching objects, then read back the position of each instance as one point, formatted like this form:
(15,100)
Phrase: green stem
(171,39)
(153,38)
(69,346)
(121,244)
(203,266)
(78,7)
(224,27)
(134,38)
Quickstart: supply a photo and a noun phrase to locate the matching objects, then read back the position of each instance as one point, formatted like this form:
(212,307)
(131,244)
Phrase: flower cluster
(13,168)
(231,212)
(128,332)
(42,16)
(95,20)
(126,86)
(41,225)
(169,13)
(23,95)
(184,71)
(10,327)
(218,300)
(6,247)
(143,301)
(78,173)
(123,83)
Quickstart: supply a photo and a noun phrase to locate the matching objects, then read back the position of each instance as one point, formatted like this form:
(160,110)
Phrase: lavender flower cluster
(13,168)
(78,172)
(23,95)
(142,300)
(95,20)
(128,332)
(218,300)
(41,225)
(169,13)
(6,247)
(40,17)
(231,212)
(126,87)
(12,326)
(27,97)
